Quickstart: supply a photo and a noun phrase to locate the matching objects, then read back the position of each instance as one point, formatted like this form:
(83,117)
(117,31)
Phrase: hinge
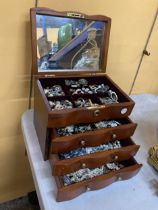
(93,74)
(49,75)
(74,14)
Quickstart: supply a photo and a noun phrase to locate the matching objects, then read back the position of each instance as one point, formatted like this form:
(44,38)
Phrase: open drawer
(92,138)
(63,164)
(131,168)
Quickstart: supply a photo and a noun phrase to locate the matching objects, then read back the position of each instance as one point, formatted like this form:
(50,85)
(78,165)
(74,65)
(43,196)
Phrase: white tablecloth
(138,193)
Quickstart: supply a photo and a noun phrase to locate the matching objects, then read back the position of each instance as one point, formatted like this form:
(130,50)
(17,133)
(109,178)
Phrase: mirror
(66,43)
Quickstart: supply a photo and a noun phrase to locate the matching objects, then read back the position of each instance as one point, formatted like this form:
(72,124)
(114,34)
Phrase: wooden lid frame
(76,15)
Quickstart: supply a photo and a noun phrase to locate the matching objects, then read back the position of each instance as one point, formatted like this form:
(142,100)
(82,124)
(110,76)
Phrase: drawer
(93,113)
(91,138)
(131,168)
(64,166)
(62,118)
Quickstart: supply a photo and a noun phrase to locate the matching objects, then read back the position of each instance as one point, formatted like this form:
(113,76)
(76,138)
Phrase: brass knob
(88,189)
(83,143)
(83,165)
(116,157)
(96,113)
(114,136)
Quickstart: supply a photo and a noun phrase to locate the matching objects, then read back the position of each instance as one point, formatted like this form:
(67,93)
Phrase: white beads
(86,173)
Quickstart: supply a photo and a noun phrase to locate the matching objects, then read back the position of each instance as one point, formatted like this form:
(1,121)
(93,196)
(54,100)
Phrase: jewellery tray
(54,68)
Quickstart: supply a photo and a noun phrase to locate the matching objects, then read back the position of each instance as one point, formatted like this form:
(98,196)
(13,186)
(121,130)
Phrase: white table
(138,193)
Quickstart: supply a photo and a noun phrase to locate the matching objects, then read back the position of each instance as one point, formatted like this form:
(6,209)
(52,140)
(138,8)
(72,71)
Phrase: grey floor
(19,204)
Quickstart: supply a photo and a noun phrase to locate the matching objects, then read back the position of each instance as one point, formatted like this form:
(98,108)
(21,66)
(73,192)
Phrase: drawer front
(91,139)
(74,190)
(62,167)
(86,115)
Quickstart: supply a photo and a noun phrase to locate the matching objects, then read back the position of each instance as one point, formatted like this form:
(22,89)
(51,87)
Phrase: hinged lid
(68,42)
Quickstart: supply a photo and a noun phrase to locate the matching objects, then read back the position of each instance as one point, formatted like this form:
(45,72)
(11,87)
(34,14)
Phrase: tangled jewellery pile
(80,102)
(63,104)
(81,128)
(89,150)
(55,90)
(86,173)
(81,86)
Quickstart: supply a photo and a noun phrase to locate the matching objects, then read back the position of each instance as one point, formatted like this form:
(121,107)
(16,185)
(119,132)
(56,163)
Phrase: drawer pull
(88,189)
(116,157)
(84,165)
(114,136)
(119,178)
(83,143)
(124,110)
(96,113)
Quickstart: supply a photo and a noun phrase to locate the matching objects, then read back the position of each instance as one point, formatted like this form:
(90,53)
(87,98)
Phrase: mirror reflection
(68,43)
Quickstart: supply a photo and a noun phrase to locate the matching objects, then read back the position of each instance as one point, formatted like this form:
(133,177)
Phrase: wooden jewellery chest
(80,114)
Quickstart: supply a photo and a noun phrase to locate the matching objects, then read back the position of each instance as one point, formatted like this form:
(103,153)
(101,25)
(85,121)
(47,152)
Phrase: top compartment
(66,108)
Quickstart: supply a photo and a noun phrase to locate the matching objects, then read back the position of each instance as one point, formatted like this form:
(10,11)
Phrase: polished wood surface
(41,121)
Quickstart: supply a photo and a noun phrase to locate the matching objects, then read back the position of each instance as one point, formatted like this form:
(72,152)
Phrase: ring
(113,95)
